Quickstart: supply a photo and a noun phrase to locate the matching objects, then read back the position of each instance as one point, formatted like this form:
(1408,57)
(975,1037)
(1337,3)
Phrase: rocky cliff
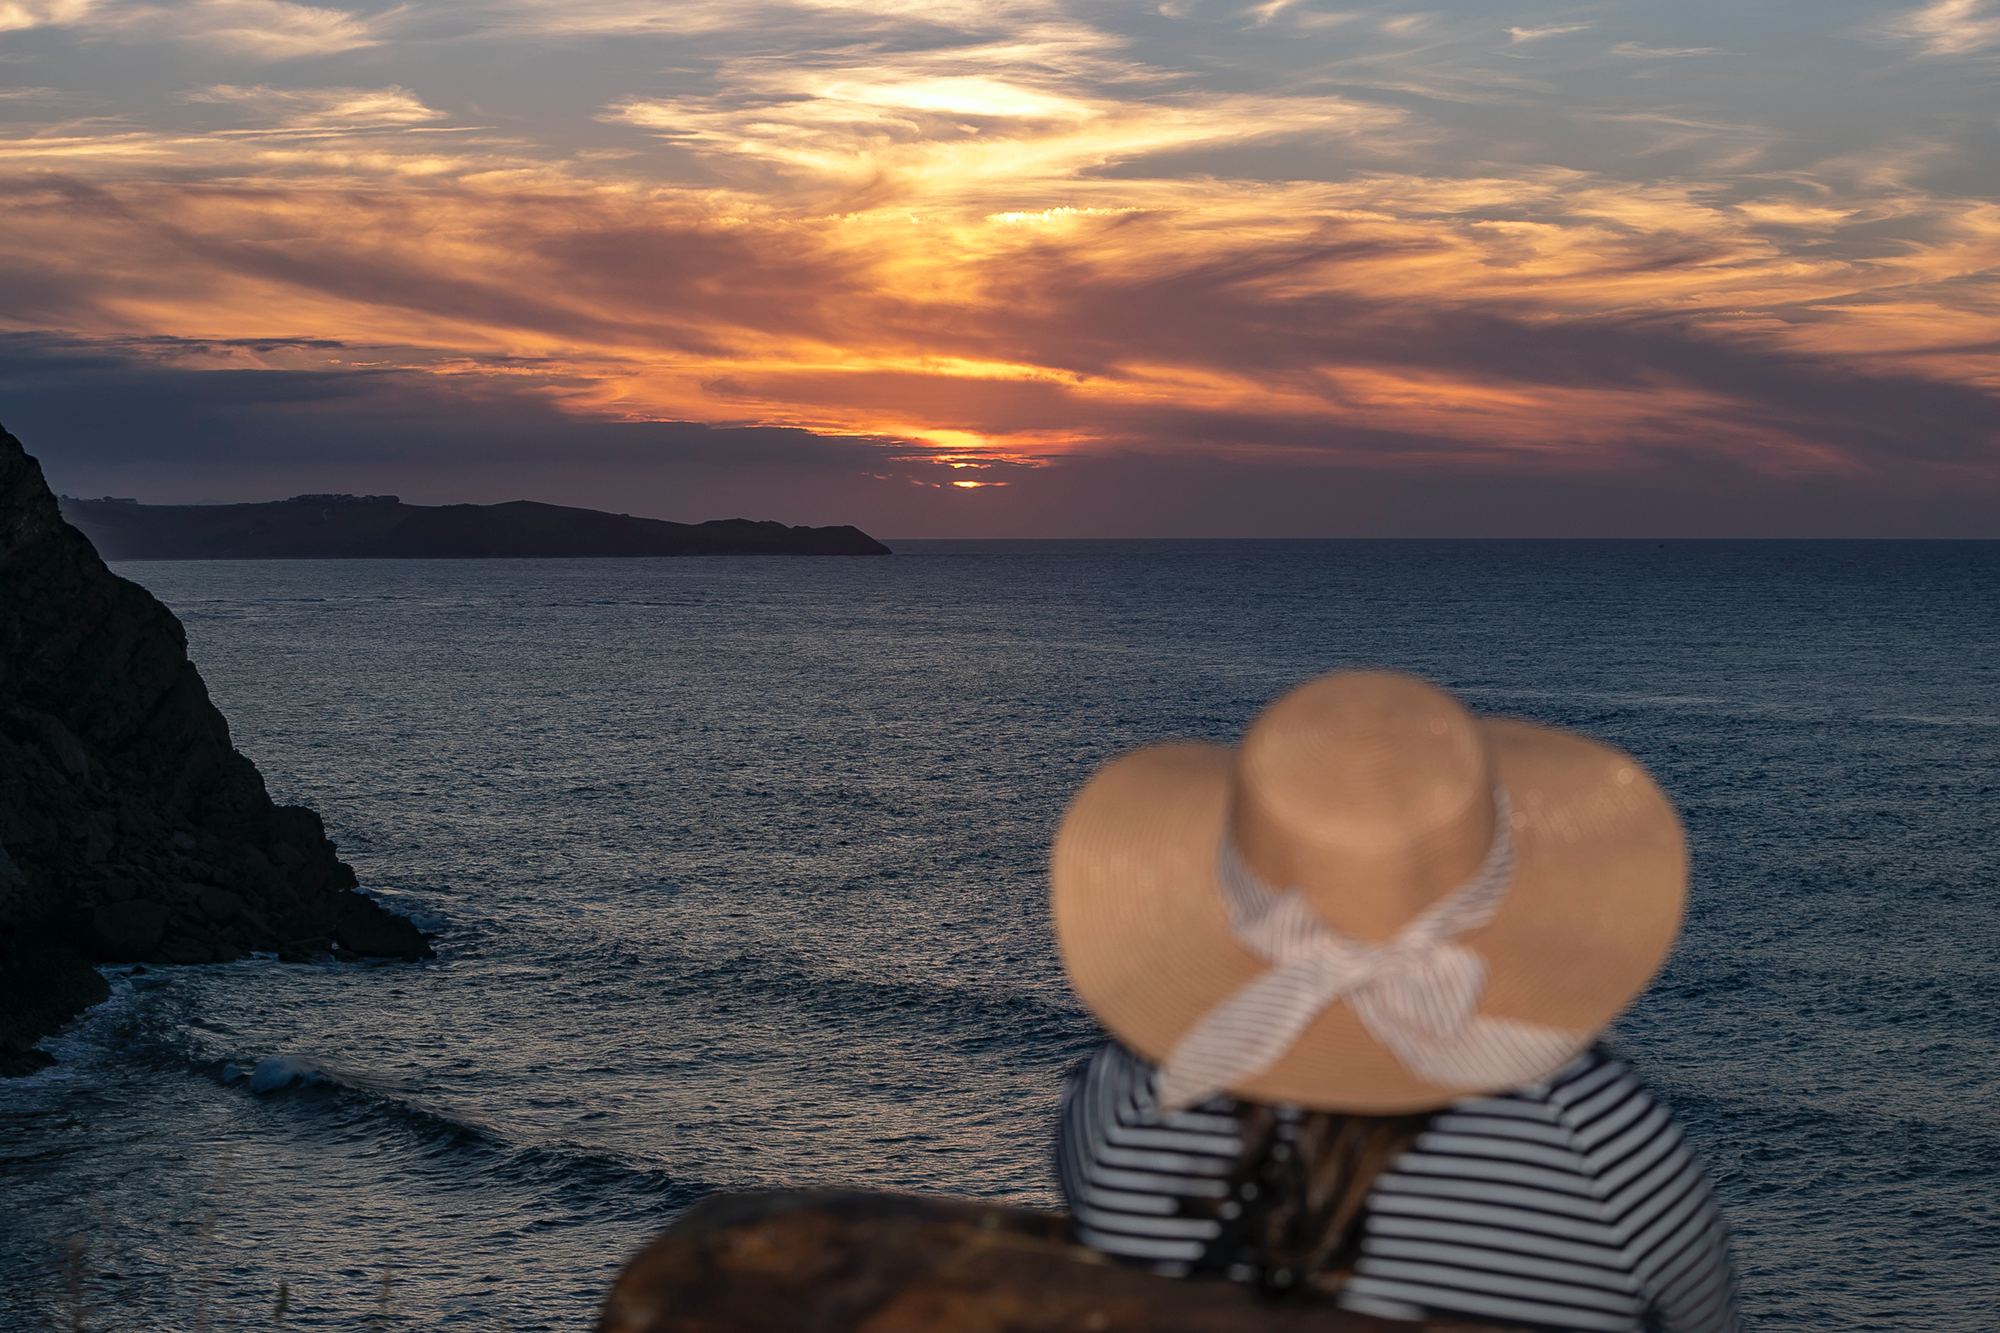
(130,828)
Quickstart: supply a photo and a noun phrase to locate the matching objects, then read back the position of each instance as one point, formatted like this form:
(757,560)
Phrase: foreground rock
(381,526)
(883,1263)
(130,829)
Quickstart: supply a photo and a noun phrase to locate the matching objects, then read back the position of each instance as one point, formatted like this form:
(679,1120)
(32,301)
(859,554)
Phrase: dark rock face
(363,926)
(130,828)
(43,981)
(381,526)
(842,1262)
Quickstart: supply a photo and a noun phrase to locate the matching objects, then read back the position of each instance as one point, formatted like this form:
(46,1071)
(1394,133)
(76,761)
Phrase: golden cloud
(1016,245)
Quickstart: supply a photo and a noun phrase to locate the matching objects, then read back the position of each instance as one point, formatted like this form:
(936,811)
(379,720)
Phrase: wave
(352,1103)
(341,1104)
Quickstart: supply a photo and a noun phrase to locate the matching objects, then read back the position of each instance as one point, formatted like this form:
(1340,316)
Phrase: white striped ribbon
(1417,994)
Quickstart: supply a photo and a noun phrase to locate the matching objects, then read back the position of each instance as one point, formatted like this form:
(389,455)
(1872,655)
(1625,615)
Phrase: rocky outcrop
(130,828)
(883,1263)
(382,526)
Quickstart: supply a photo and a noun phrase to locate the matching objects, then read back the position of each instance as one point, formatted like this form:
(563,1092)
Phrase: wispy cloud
(1407,25)
(1950,27)
(1040,119)
(1299,15)
(1641,51)
(322,108)
(16,15)
(832,19)
(960,140)
(1722,146)
(267,30)
(1518,35)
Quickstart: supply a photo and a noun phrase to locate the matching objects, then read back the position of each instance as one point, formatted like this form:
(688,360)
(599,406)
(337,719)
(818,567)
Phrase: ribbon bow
(1418,993)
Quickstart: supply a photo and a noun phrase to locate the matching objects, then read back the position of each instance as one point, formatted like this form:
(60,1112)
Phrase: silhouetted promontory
(383,527)
(130,828)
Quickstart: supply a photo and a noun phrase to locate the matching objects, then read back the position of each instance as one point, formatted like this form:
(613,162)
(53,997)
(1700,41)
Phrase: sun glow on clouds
(1948,28)
(262,30)
(1003,236)
(17,15)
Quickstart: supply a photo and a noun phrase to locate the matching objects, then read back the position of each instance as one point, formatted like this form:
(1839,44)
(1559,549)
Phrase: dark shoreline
(382,527)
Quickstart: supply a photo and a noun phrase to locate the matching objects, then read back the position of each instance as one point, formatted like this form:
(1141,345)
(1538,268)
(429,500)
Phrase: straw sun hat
(1376,902)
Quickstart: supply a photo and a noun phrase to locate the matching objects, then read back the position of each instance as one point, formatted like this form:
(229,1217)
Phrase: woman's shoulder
(1587,1171)
(1591,1121)
(1590,1143)
(1125,1082)
(1590,1101)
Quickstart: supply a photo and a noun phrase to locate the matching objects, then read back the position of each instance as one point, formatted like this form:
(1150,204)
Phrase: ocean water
(738,869)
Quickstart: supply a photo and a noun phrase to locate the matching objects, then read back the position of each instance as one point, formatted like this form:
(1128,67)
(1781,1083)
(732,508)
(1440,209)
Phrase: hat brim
(1599,888)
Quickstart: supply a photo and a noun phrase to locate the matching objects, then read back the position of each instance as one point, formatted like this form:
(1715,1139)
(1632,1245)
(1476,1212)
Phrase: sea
(737,869)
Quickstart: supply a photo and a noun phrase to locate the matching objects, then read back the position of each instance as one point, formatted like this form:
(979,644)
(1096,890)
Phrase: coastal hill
(130,828)
(382,526)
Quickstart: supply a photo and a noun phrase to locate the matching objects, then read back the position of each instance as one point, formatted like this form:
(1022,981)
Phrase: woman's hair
(1307,1176)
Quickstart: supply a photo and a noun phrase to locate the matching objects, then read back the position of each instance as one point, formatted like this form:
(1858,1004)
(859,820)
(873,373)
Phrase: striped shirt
(1570,1204)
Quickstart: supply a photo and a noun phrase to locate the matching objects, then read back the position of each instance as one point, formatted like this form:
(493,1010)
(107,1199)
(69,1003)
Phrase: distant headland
(383,527)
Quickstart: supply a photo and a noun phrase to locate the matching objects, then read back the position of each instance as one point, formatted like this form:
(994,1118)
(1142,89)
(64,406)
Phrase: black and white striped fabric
(1569,1204)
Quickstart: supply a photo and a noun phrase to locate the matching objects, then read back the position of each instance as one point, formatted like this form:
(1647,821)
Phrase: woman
(1354,970)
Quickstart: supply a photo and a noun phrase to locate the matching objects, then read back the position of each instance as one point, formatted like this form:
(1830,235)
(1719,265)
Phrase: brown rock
(832,1262)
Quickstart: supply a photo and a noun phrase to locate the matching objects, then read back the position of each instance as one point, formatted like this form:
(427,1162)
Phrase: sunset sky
(1019,267)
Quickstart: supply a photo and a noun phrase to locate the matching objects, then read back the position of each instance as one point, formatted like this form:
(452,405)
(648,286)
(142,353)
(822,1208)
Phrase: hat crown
(1369,792)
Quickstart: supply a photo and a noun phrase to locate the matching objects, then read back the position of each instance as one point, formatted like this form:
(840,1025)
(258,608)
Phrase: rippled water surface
(738,871)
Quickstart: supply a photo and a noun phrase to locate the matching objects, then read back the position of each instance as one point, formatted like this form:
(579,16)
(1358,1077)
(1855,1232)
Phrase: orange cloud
(1021,245)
